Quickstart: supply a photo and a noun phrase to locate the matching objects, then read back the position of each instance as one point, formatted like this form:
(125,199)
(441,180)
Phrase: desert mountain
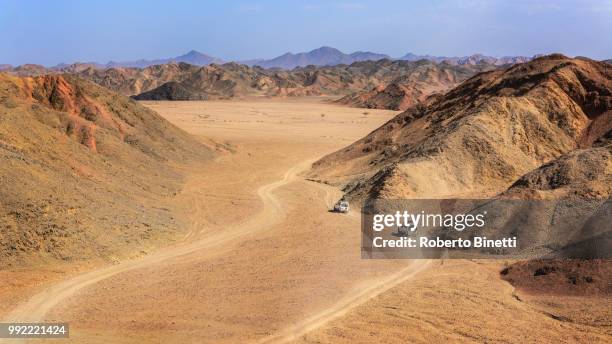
(414,85)
(583,173)
(469,60)
(131,81)
(192,57)
(85,172)
(376,84)
(572,215)
(324,56)
(28,70)
(577,177)
(214,82)
(72,68)
(235,80)
(482,136)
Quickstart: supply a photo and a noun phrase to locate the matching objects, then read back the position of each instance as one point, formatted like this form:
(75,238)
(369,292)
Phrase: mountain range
(472,59)
(413,85)
(232,80)
(385,83)
(192,57)
(494,129)
(323,56)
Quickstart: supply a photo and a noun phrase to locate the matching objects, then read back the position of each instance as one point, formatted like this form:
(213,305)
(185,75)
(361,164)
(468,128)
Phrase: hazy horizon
(64,32)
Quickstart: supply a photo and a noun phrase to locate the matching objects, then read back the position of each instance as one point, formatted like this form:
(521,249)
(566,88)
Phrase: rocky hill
(27,70)
(124,80)
(131,81)
(582,173)
(481,137)
(573,178)
(414,85)
(213,82)
(84,171)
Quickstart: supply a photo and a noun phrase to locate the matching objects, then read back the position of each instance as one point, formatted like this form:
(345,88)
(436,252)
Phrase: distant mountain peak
(326,49)
(193,57)
(322,56)
(193,53)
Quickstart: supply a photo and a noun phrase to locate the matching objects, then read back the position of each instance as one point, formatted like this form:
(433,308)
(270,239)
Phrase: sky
(52,32)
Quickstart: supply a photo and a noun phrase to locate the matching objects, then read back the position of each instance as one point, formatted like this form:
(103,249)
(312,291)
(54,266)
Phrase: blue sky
(50,32)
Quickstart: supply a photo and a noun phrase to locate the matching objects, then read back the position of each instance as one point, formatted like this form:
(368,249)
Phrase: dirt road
(252,201)
(38,306)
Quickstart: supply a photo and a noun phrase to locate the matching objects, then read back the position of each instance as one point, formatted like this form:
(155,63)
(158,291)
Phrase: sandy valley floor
(264,261)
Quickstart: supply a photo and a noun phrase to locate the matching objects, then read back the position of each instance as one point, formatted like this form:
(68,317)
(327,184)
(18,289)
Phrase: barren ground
(264,261)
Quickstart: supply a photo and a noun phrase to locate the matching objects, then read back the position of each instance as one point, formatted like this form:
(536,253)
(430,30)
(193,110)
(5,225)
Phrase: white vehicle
(341,207)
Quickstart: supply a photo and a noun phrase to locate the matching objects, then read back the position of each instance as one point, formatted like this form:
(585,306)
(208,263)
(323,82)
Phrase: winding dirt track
(40,304)
(37,306)
(306,272)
